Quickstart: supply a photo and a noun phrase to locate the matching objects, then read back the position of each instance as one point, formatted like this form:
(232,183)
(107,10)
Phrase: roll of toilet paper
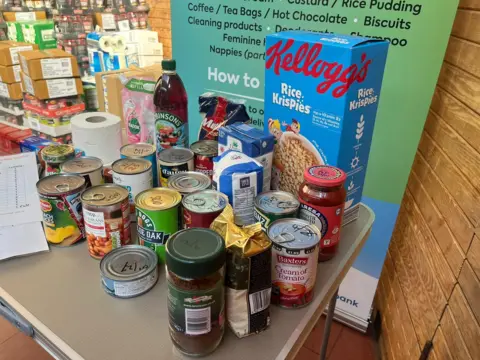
(99,134)
(105,44)
(118,44)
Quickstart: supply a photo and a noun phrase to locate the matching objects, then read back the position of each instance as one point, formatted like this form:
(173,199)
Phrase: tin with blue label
(142,151)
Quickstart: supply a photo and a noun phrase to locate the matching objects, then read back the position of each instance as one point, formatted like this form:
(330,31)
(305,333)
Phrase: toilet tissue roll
(99,134)
(105,44)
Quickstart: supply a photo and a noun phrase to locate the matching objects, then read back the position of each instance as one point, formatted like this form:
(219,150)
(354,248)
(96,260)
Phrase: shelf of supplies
(19,127)
(10,111)
(54,131)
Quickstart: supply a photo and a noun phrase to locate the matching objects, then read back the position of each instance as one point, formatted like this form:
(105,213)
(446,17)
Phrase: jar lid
(325,175)
(195,253)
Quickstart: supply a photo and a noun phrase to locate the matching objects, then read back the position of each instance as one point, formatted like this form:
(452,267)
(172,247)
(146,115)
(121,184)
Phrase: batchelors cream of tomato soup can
(106,213)
(62,208)
(91,168)
(172,161)
(129,271)
(189,182)
(142,151)
(205,151)
(273,205)
(55,155)
(158,212)
(294,261)
(201,208)
(135,175)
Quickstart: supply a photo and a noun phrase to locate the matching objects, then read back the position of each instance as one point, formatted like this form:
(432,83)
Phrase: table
(56,298)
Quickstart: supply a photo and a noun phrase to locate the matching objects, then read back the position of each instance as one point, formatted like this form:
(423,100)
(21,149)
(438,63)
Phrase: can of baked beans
(142,151)
(91,168)
(106,213)
(172,161)
(205,151)
(202,207)
(189,182)
(135,175)
(294,261)
(273,205)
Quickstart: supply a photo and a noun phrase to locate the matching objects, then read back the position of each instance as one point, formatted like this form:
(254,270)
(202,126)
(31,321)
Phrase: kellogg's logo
(307,61)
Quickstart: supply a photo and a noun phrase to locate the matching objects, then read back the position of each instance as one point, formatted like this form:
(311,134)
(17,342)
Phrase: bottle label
(328,219)
(196,312)
(170,131)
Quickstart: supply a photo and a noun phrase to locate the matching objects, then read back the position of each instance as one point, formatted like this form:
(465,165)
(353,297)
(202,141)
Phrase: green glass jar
(195,261)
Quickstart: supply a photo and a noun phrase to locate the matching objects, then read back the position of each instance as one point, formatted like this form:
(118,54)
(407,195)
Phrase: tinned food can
(135,175)
(201,208)
(91,168)
(189,182)
(106,213)
(157,218)
(205,151)
(294,261)
(62,208)
(55,155)
(172,161)
(142,151)
(129,271)
(274,205)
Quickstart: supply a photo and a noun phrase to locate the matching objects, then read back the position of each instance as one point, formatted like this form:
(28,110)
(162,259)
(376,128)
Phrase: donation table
(57,298)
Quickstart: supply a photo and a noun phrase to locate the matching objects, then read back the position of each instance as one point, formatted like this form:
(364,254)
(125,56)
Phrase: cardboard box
(321,99)
(24,16)
(9,51)
(105,21)
(115,84)
(139,36)
(144,49)
(10,74)
(52,88)
(101,84)
(11,91)
(48,64)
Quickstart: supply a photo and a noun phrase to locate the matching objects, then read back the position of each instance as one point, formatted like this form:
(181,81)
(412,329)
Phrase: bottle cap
(169,65)
(324,175)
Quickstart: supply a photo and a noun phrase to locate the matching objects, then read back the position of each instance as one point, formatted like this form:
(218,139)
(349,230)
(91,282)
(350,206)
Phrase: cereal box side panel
(360,113)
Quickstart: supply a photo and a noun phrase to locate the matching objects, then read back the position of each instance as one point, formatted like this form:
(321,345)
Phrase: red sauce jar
(322,202)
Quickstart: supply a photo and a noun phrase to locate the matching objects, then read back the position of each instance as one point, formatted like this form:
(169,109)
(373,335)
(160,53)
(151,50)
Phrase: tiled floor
(344,344)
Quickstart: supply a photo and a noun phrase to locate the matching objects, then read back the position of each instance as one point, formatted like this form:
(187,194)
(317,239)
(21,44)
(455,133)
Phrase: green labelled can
(62,208)
(157,212)
(275,205)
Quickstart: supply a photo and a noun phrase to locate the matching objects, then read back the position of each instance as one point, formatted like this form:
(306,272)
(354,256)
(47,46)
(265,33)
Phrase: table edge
(316,309)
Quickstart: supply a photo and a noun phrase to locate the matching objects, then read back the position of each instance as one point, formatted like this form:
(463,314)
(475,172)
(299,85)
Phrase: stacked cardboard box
(10,82)
(52,87)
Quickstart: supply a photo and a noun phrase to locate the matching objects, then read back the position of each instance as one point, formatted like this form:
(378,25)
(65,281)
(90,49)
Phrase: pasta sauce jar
(322,202)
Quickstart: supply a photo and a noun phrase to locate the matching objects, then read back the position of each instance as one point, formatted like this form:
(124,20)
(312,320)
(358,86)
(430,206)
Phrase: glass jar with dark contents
(322,200)
(196,297)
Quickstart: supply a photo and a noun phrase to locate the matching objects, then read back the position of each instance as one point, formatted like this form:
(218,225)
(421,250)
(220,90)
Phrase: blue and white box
(321,98)
(240,178)
(252,142)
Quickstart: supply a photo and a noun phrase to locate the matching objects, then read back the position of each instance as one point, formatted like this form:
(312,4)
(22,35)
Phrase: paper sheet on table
(19,202)
(22,240)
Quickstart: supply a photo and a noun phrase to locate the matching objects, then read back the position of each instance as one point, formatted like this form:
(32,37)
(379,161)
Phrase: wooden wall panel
(435,249)
(160,21)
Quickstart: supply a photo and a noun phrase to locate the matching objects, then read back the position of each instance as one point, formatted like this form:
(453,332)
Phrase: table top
(60,294)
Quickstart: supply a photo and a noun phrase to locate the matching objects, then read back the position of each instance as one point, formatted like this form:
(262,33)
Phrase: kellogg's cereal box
(321,99)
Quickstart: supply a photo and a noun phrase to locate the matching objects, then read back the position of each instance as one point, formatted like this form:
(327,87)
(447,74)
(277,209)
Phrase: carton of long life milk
(321,99)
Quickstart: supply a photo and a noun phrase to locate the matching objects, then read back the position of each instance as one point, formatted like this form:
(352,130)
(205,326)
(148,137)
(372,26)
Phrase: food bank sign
(219,46)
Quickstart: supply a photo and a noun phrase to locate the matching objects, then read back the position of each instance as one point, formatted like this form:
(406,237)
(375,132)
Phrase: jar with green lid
(196,297)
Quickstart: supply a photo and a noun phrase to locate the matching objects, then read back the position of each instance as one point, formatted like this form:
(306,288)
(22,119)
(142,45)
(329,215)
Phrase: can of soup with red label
(205,151)
(294,261)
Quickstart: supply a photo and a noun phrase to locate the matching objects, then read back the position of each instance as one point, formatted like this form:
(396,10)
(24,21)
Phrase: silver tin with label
(129,271)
